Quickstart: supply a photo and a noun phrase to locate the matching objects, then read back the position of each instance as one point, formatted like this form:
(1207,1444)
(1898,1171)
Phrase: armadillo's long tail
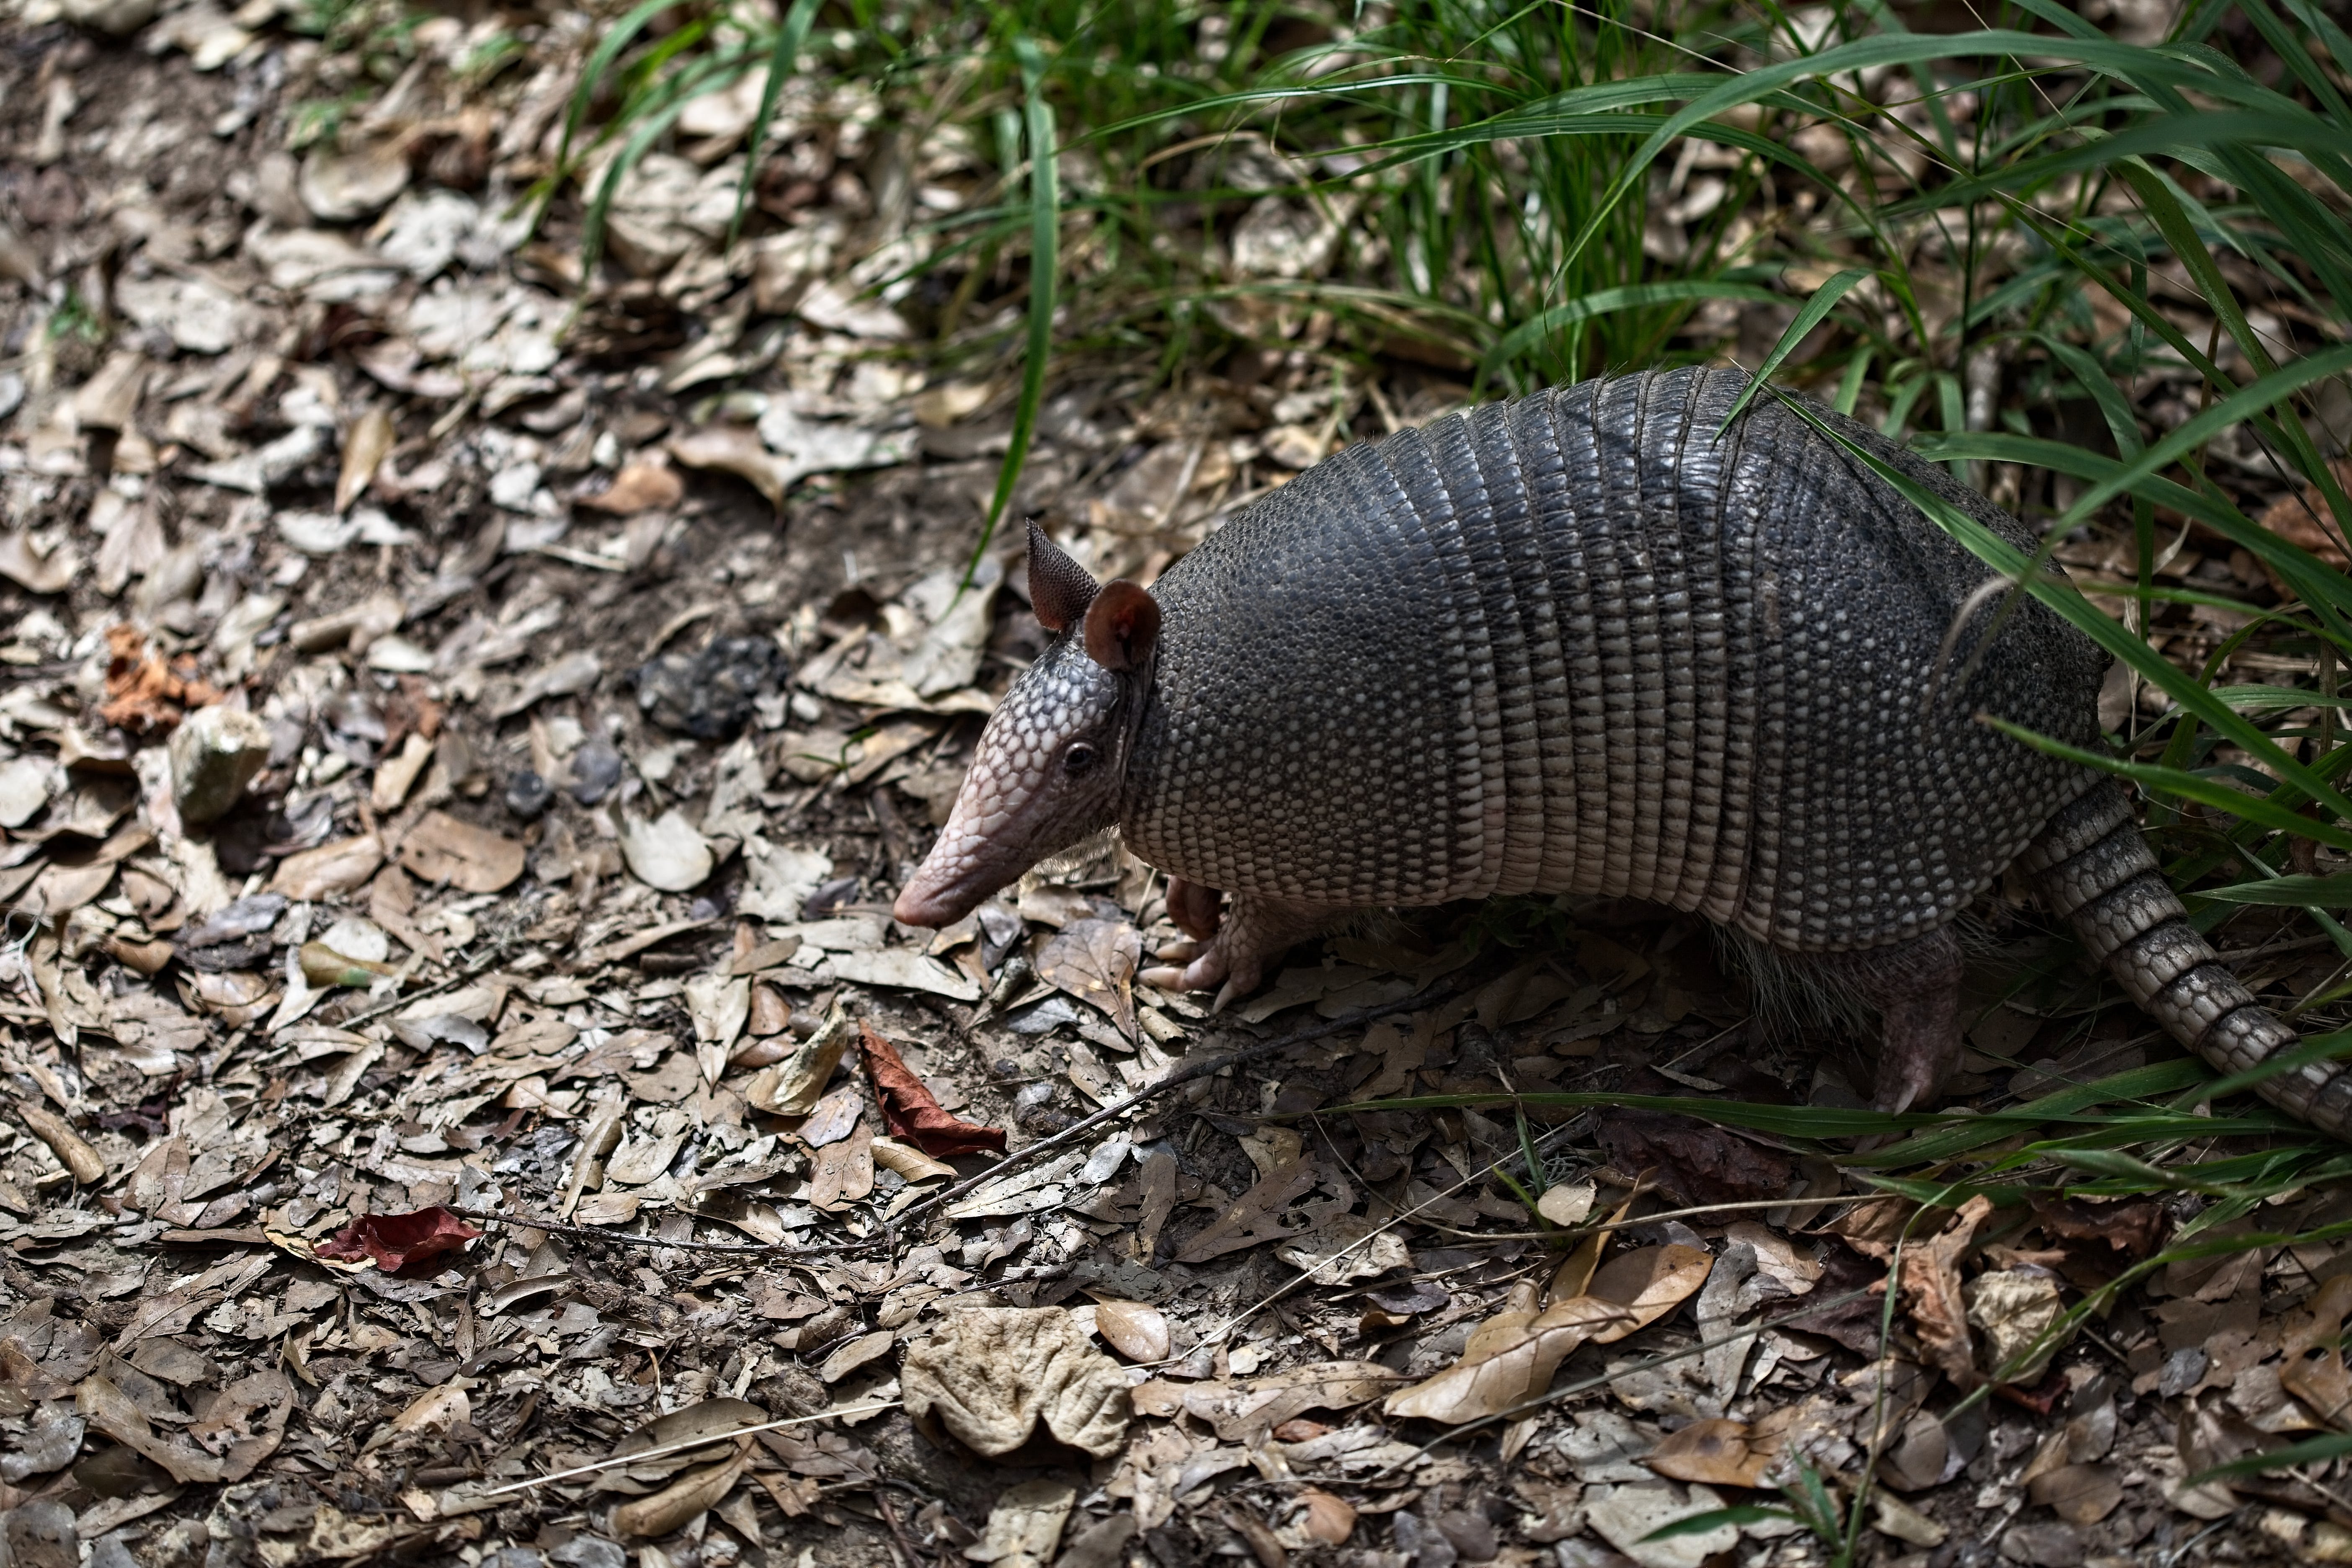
(2093,867)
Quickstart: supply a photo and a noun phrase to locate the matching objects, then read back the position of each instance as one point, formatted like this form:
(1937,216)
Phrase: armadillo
(1597,641)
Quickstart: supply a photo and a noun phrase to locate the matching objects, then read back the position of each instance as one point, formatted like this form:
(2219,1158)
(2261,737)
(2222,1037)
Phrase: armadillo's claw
(1183,950)
(1165,977)
(1225,993)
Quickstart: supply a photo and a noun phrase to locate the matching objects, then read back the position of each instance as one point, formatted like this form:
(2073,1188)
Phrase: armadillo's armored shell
(1575,643)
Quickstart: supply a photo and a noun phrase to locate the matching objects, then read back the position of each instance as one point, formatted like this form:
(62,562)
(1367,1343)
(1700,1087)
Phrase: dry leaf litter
(469,1102)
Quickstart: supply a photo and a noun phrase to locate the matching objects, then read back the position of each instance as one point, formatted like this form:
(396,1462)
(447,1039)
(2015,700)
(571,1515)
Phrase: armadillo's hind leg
(1915,988)
(1255,930)
(2095,868)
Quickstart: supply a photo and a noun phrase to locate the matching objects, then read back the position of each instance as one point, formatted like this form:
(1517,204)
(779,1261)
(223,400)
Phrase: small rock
(709,696)
(595,769)
(42,1534)
(528,795)
(215,753)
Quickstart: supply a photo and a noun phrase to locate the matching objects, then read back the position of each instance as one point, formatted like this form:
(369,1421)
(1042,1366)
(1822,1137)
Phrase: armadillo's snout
(938,894)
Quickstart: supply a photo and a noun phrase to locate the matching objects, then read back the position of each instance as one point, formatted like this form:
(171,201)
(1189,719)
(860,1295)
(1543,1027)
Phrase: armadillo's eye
(1078,758)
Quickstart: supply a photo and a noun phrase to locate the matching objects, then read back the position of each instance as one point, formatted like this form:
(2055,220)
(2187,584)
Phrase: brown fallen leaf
(365,446)
(1648,1282)
(913,1112)
(991,1374)
(144,694)
(1720,1453)
(639,486)
(716,1419)
(2313,1369)
(440,848)
(793,1086)
(27,566)
(1094,960)
(1516,1365)
(1328,1519)
(333,867)
(1245,1412)
(1135,1330)
(843,1171)
(109,1410)
(2079,1494)
(693,1492)
(736,449)
(1933,1297)
(1255,1216)
(402,1244)
(1702,1164)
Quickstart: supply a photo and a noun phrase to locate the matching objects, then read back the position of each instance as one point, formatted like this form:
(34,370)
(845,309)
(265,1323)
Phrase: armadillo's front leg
(1253,930)
(1915,986)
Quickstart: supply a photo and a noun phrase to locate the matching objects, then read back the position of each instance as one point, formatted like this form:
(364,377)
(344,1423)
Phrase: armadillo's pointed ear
(1121,625)
(1059,588)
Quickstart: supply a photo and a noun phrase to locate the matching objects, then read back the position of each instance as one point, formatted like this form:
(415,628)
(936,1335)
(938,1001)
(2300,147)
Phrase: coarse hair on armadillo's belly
(1790,992)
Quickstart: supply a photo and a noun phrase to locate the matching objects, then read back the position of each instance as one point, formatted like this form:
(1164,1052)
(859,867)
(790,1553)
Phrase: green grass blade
(781,61)
(1822,303)
(1045,264)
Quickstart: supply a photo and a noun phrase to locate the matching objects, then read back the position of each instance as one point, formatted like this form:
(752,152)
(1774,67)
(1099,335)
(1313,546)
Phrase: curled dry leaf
(400,1243)
(365,446)
(1135,1330)
(1255,1216)
(1933,1296)
(908,1161)
(639,487)
(1718,1452)
(1509,1367)
(991,1374)
(334,867)
(912,1111)
(2314,1370)
(2079,1494)
(716,1419)
(693,1492)
(440,848)
(1094,960)
(793,1086)
(1513,1355)
(1328,1519)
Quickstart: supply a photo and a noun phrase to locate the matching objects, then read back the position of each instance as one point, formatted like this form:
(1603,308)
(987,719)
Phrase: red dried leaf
(143,694)
(911,1111)
(400,1243)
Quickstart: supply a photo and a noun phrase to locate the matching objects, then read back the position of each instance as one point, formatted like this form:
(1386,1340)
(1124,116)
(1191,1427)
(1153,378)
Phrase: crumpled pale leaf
(365,446)
(913,1112)
(401,1243)
(734,449)
(665,853)
(109,1411)
(716,1419)
(2013,1308)
(1094,960)
(1345,1247)
(1025,1524)
(993,1374)
(1629,1515)
(1932,1293)
(338,867)
(35,568)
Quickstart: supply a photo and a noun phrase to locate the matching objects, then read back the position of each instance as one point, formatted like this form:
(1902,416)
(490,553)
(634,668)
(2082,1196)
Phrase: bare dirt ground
(521,1070)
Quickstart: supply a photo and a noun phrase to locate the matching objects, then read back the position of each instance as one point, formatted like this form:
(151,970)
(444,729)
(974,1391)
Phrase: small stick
(1192,1074)
(730,1249)
(683,1444)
